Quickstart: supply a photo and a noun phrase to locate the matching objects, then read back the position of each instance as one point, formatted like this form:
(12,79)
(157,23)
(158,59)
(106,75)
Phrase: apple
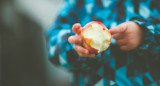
(95,37)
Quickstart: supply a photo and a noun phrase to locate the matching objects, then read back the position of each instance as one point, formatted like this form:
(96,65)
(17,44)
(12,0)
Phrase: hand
(128,35)
(78,42)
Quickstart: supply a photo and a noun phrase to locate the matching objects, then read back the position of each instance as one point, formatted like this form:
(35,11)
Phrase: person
(133,57)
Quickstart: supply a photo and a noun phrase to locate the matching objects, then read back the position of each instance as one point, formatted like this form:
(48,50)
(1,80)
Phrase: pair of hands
(128,36)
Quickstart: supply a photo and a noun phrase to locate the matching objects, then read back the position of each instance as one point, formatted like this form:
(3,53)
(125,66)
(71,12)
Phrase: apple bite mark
(92,50)
(96,37)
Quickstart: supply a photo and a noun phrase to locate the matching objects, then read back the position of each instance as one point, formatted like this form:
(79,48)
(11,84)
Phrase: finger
(119,29)
(77,28)
(75,40)
(81,51)
(124,47)
(118,36)
(121,42)
(82,55)
(91,55)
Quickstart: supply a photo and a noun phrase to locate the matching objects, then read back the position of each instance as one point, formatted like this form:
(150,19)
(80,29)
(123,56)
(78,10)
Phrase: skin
(128,36)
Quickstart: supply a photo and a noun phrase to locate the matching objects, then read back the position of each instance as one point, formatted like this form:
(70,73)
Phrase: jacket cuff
(149,30)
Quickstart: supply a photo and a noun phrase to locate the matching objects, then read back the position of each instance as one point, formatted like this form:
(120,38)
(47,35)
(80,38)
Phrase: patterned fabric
(114,67)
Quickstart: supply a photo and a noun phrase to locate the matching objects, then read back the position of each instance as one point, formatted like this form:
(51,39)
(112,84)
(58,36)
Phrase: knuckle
(124,27)
(78,40)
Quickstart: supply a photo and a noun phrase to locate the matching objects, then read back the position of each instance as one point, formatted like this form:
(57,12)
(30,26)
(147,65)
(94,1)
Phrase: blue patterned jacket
(114,67)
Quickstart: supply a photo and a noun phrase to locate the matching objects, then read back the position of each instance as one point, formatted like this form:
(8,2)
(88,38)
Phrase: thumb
(119,29)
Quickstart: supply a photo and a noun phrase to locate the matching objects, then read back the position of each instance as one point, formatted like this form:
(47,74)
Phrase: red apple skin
(86,41)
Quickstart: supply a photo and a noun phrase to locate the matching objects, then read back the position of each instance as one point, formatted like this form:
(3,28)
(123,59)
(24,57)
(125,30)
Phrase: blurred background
(23,51)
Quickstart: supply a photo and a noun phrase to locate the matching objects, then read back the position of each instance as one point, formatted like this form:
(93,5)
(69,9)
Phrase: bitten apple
(95,37)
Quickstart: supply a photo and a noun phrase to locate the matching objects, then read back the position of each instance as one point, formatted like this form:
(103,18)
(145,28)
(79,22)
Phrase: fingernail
(78,25)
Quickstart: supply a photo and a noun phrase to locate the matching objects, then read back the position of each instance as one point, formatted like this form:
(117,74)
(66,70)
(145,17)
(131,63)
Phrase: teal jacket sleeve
(151,42)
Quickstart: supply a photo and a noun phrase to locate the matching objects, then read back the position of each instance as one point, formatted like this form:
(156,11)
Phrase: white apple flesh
(96,37)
